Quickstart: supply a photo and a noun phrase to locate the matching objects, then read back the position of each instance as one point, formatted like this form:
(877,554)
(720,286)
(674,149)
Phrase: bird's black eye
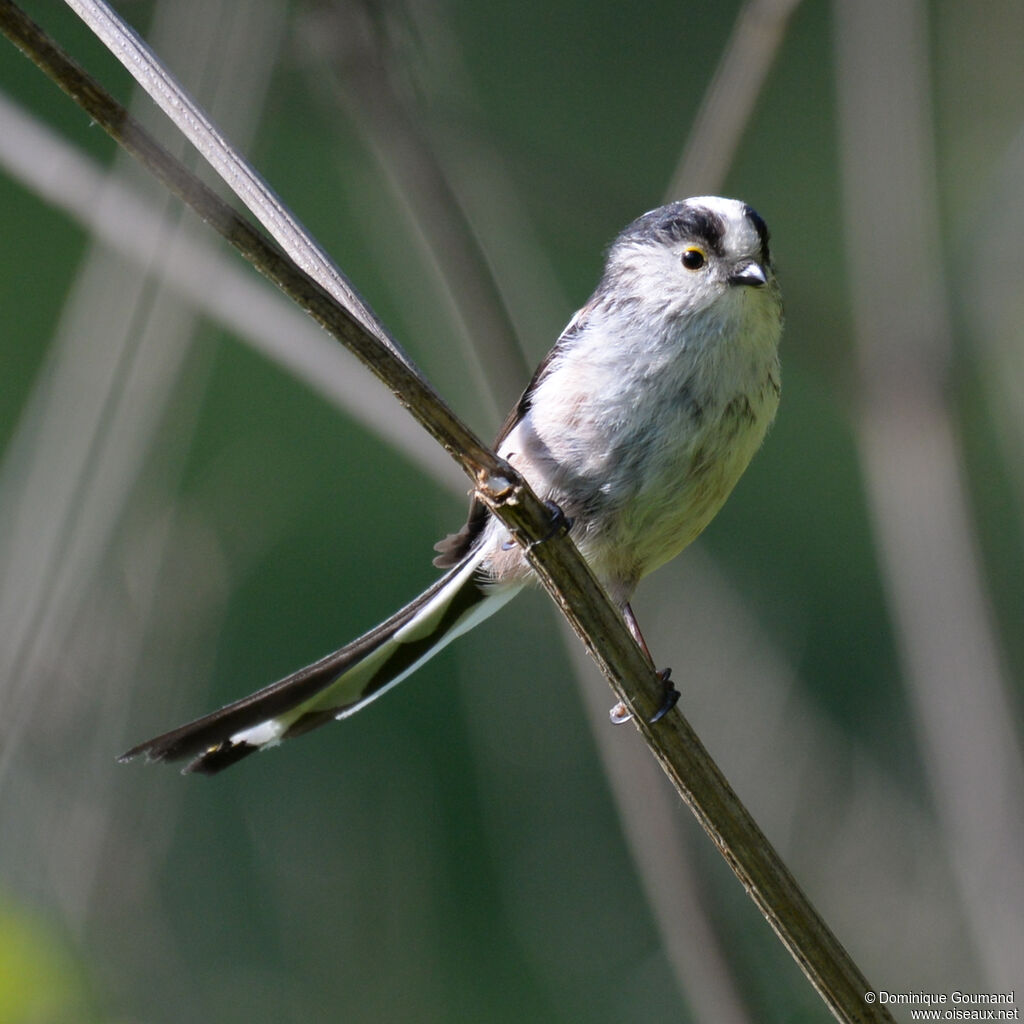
(694,259)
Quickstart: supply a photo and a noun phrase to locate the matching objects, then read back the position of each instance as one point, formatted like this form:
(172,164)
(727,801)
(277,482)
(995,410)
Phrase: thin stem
(243,180)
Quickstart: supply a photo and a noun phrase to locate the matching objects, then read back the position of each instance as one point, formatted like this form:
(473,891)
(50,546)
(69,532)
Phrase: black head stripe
(694,223)
(679,222)
(762,231)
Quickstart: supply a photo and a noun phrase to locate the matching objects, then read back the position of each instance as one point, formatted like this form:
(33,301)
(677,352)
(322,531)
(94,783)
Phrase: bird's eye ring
(693,258)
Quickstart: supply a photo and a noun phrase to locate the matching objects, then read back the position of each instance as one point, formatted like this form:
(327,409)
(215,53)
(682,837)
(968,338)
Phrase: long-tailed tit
(637,425)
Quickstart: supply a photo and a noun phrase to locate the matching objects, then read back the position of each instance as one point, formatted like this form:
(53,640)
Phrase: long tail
(338,685)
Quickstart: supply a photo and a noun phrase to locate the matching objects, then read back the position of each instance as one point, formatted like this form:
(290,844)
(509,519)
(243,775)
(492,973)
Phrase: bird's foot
(669,696)
(560,523)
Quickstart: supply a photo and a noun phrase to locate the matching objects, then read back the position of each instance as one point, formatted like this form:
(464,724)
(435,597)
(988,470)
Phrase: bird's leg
(620,713)
(634,628)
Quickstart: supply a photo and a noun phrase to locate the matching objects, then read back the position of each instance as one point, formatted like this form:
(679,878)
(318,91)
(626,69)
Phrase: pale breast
(640,440)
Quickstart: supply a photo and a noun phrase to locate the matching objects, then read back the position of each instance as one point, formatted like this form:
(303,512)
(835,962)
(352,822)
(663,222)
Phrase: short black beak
(749,273)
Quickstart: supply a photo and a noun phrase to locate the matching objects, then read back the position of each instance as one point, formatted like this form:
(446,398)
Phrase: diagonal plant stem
(421,170)
(555,559)
(243,180)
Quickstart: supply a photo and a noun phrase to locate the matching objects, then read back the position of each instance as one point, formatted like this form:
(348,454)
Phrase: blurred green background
(197,496)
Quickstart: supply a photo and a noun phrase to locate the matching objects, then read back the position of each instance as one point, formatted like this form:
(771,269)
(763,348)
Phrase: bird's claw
(560,523)
(620,714)
(669,696)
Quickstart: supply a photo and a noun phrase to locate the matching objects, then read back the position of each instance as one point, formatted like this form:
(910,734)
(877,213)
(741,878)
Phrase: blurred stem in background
(913,466)
(85,447)
(731,97)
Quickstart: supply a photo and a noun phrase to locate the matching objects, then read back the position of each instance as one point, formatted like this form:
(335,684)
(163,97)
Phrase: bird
(635,427)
